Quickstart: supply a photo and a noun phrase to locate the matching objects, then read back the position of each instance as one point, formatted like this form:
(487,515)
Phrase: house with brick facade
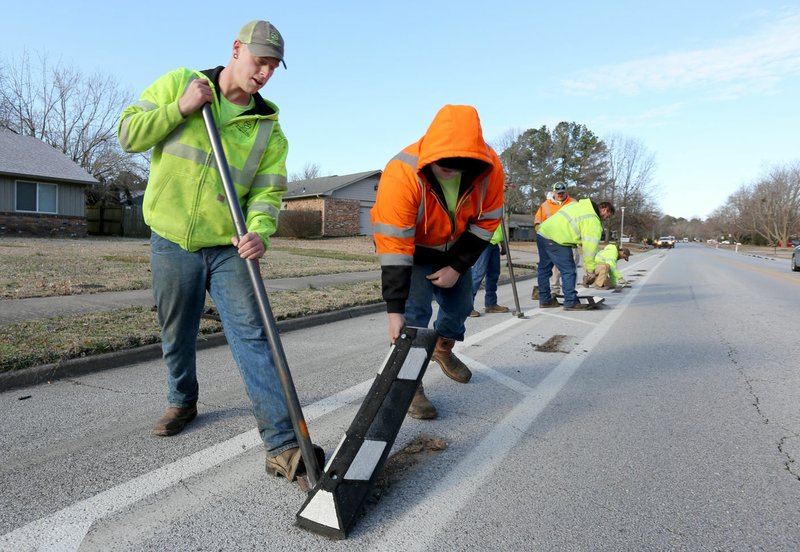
(343,201)
(42,191)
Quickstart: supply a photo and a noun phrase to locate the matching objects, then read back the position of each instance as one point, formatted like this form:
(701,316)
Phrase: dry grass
(42,267)
(61,338)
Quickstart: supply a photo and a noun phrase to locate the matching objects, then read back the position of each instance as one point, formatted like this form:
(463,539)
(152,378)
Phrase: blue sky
(710,88)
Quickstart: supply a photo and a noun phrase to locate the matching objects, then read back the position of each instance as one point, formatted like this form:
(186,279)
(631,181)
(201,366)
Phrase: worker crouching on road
(606,275)
(439,202)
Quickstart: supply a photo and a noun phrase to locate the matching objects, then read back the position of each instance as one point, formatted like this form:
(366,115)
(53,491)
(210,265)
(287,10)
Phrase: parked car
(666,242)
(796,258)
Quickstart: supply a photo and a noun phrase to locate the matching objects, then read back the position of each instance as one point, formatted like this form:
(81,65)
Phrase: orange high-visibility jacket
(548,209)
(410,220)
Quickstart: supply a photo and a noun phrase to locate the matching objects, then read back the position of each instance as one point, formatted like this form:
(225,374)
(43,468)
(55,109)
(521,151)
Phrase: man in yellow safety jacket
(577,224)
(554,201)
(439,202)
(194,244)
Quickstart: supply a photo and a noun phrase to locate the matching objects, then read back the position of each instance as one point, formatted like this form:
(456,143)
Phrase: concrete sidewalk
(37,308)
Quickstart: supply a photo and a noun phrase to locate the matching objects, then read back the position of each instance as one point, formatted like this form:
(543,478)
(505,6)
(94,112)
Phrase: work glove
(588,278)
(503,250)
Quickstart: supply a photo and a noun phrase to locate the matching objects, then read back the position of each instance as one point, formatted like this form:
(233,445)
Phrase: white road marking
(66,529)
(418,527)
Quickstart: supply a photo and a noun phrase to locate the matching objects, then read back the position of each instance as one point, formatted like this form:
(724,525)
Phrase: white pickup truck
(667,242)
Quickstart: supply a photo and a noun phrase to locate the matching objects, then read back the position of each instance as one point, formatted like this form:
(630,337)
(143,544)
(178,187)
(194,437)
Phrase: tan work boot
(496,309)
(289,463)
(421,408)
(450,364)
(535,293)
(174,420)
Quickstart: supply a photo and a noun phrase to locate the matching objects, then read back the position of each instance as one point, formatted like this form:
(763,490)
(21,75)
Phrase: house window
(36,198)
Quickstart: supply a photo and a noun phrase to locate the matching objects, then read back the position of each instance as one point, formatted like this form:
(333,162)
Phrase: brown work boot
(450,364)
(578,307)
(496,309)
(289,463)
(474,314)
(535,293)
(552,303)
(174,420)
(421,408)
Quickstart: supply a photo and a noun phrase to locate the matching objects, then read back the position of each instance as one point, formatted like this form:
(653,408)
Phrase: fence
(117,221)
(133,225)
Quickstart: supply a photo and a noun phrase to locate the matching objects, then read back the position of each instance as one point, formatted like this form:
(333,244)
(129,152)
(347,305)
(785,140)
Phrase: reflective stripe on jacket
(185,200)
(410,219)
(576,224)
(549,208)
(609,255)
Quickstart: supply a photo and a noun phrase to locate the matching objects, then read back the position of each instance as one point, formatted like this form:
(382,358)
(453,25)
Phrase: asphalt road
(667,420)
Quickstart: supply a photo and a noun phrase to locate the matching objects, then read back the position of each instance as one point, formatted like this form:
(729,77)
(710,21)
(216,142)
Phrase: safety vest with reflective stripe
(410,218)
(576,224)
(185,200)
(609,255)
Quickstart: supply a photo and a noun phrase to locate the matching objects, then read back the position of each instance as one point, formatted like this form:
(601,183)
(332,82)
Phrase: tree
(628,182)
(310,170)
(515,199)
(772,206)
(539,158)
(75,114)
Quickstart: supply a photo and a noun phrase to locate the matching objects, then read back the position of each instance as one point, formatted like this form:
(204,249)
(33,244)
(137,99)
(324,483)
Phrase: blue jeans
(180,282)
(551,253)
(455,303)
(488,265)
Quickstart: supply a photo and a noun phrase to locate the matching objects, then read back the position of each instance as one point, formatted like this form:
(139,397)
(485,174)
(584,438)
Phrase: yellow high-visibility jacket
(576,224)
(185,200)
(609,255)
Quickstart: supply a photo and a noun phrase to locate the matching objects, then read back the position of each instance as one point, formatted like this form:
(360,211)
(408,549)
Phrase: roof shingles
(26,156)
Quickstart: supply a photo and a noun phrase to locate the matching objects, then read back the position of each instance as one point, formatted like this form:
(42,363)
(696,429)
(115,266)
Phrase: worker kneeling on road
(439,202)
(606,274)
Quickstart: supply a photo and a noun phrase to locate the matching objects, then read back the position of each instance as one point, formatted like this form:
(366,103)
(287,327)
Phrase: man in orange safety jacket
(439,202)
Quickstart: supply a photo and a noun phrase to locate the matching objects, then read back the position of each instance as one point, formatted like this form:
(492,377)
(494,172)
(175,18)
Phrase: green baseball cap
(262,39)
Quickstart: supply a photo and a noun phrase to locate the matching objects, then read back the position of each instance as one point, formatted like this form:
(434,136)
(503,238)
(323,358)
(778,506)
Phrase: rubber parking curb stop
(48,373)
(335,503)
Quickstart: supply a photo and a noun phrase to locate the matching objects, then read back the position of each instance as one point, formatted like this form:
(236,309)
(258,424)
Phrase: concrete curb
(48,373)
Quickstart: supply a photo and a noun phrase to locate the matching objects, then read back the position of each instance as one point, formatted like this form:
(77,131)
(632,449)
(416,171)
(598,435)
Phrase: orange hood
(454,132)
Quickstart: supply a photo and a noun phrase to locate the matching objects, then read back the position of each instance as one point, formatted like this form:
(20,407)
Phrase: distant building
(520,227)
(42,191)
(343,201)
